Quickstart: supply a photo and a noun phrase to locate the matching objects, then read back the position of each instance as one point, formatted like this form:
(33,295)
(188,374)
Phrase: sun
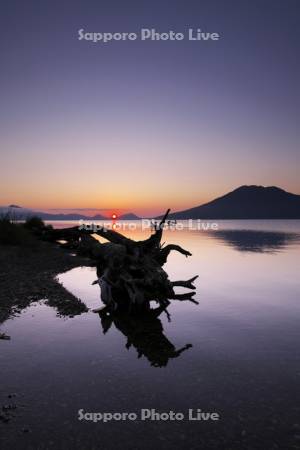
(114,216)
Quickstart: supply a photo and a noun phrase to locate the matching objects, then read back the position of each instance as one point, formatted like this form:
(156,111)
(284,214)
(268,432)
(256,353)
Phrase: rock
(4,336)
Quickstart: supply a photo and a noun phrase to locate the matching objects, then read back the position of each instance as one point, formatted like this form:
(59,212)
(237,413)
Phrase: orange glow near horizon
(142,202)
(151,171)
(148,203)
(141,185)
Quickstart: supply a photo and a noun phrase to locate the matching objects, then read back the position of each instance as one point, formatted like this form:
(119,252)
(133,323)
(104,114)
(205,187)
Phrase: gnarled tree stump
(129,272)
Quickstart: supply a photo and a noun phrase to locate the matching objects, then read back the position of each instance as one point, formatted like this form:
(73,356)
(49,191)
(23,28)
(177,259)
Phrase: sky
(146,125)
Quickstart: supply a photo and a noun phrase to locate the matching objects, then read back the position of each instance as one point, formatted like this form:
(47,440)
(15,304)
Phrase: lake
(235,354)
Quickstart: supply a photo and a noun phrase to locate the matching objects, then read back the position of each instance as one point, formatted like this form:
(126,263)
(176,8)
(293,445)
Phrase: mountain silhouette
(71,216)
(128,216)
(247,202)
(22,213)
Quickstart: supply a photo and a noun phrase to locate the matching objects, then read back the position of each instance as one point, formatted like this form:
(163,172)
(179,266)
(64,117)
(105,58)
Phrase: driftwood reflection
(144,332)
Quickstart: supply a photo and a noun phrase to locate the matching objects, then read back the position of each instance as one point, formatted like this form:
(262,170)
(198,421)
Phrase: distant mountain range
(247,202)
(128,216)
(22,213)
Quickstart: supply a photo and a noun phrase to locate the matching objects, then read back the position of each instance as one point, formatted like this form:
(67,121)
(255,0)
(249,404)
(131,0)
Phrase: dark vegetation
(12,233)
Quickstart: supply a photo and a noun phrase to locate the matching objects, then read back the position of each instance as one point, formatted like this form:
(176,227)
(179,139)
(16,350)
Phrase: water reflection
(256,241)
(145,333)
(56,296)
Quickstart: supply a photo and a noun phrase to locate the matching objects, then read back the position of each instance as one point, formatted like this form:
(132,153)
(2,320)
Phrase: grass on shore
(21,234)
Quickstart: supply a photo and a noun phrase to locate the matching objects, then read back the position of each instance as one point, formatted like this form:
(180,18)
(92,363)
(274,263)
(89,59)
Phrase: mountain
(247,202)
(129,216)
(16,211)
(22,213)
(71,216)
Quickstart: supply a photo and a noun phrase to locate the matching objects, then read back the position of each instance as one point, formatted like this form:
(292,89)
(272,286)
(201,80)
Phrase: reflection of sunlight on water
(79,282)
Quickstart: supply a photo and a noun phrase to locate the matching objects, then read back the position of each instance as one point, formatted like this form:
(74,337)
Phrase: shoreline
(28,274)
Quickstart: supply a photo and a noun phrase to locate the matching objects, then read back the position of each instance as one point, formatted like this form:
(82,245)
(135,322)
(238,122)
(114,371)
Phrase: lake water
(243,362)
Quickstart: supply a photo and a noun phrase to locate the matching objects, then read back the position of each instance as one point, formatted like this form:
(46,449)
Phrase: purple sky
(147,125)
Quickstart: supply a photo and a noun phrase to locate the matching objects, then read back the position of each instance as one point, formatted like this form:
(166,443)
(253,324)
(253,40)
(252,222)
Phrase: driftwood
(129,272)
